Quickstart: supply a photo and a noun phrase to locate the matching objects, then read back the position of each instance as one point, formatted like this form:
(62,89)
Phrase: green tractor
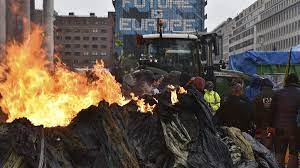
(191,53)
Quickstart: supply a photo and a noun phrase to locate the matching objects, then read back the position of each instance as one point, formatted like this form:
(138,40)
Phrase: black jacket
(262,108)
(197,106)
(236,111)
(285,104)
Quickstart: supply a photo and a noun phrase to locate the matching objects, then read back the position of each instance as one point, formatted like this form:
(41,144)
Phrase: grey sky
(81,7)
(217,10)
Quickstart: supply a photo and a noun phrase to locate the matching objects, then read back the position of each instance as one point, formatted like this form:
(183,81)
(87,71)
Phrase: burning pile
(179,132)
(95,138)
(30,90)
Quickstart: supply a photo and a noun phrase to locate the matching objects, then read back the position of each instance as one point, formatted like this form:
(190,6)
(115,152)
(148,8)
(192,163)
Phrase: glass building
(140,17)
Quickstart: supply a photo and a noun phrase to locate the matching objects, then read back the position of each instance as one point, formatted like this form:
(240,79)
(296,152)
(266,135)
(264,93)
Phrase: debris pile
(180,135)
(96,137)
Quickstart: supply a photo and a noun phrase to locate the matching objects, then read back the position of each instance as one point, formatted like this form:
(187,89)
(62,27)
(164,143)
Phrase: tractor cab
(170,52)
(191,53)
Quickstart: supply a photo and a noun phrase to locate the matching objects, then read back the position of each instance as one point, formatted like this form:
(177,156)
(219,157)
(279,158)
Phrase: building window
(77,38)
(66,61)
(86,53)
(77,31)
(103,31)
(86,46)
(93,61)
(58,38)
(95,46)
(67,53)
(86,38)
(68,38)
(103,54)
(103,46)
(68,30)
(75,61)
(77,53)
(95,53)
(103,38)
(95,38)
(76,45)
(67,46)
(95,30)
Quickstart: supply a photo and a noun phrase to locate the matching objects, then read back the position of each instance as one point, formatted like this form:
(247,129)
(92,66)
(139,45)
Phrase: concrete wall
(18,19)
(48,6)
(2,22)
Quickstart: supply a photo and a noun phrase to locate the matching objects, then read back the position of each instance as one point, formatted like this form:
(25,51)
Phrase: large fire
(29,90)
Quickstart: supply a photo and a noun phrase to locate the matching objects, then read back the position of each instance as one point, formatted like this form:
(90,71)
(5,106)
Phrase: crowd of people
(271,116)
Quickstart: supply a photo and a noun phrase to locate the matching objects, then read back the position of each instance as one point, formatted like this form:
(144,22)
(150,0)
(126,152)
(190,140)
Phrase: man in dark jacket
(263,113)
(285,106)
(236,111)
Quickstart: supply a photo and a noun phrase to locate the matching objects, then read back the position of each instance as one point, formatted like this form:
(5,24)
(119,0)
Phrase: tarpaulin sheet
(247,62)
(297,48)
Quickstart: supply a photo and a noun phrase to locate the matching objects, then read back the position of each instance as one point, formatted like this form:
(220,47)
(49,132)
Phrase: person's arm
(217,104)
(221,113)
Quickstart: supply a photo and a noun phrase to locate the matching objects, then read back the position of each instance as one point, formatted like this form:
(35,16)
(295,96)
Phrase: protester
(212,97)
(239,81)
(199,114)
(171,79)
(236,111)
(263,113)
(117,71)
(199,84)
(285,105)
(184,79)
(157,84)
(144,84)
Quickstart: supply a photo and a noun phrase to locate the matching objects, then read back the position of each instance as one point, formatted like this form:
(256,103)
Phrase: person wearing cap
(199,113)
(198,83)
(263,113)
(185,79)
(285,106)
(212,97)
(144,84)
(236,111)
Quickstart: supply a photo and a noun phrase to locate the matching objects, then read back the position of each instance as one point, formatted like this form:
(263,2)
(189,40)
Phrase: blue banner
(140,16)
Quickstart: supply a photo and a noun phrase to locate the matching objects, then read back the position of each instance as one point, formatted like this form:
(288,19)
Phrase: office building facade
(244,31)
(81,40)
(273,25)
(225,30)
(279,27)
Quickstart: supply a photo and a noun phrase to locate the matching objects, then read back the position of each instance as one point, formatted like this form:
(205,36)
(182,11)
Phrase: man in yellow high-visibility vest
(212,97)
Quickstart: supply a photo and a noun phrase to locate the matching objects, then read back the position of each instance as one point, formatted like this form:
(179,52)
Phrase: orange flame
(143,107)
(182,91)
(174,97)
(46,98)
